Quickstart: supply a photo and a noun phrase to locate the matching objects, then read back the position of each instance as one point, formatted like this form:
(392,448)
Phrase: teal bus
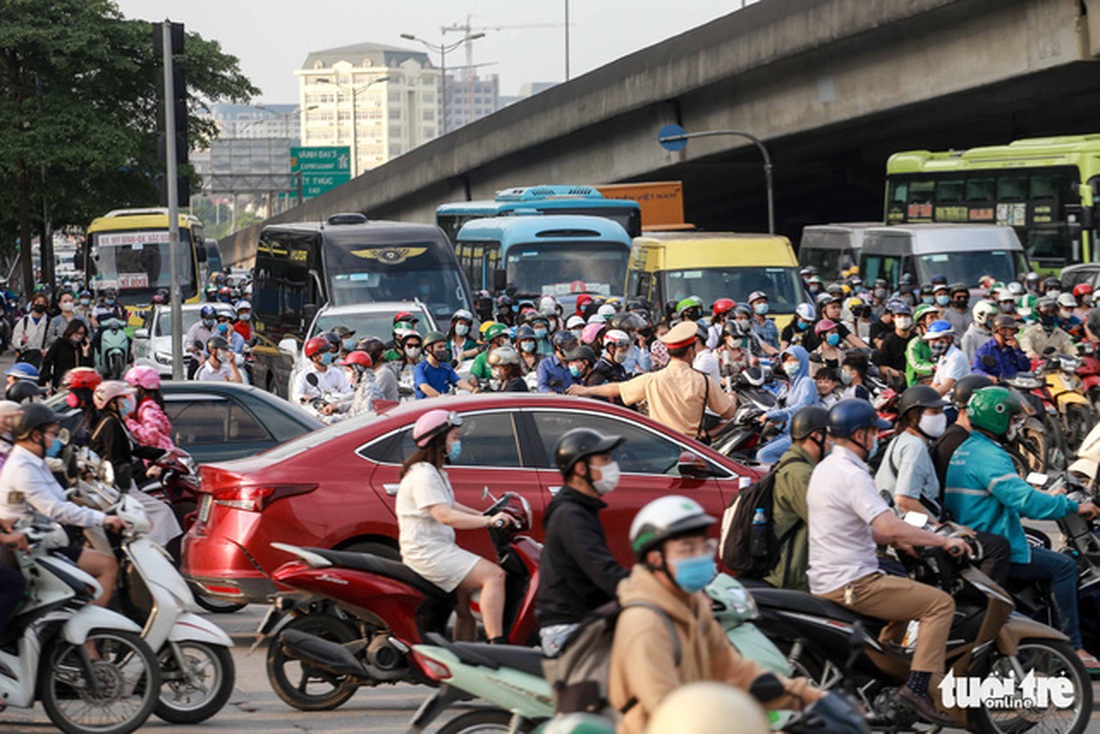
(548,255)
(528,200)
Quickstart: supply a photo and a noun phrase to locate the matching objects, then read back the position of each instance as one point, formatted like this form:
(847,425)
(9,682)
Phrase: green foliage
(78,98)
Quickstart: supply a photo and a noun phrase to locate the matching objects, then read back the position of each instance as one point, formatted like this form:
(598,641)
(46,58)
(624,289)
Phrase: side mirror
(693,466)
(201,252)
(500,280)
(289,347)
(142,333)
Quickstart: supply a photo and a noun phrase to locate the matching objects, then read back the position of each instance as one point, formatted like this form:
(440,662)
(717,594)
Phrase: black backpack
(748,550)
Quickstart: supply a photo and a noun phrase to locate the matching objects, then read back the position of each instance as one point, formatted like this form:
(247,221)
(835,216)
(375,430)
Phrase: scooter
(89,666)
(1067,392)
(318,404)
(1039,445)
(194,654)
(987,642)
(511,678)
(353,617)
(114,350)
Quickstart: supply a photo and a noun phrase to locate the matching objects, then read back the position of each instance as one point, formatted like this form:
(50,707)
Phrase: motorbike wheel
(301,686)
(484,721)
(1048,658)
(212,675)
(127,674)
(1079,421)
(215,606)
(1054,458)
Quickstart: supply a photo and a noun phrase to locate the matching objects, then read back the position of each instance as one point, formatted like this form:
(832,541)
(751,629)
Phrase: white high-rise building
(391,93)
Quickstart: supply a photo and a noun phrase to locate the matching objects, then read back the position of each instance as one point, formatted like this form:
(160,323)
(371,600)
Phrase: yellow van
(668,266)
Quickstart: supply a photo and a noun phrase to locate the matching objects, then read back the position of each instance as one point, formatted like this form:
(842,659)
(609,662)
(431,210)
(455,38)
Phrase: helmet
(144,377)
(722,305)
(462,315)
(208,312)
(503,355)
(583,352)
(243,305)
(407,316)
(35,416)
(923,310)
(739,311)
(1082,289)
(967,386)
(736,330)
(689,303)
(591,333)
(1052,282)
(81,377)
(1015,289)
(991,409)
(525,332)
(805,311)
(919,396)
(665,518)
(495,330)
(823,326)
(1067,300)
(852,414)
(710,707)
(579,444)
(216,342)
(23,371)
(898,307)
(576,322)
(434,337)
(9,409)
(358,357)
(434,423)
(563,340)
(938,330)
(809,419)
(532,316)
(756,296)
(108,391)
(959,288)
(982,311)
(1028,304)
(616,337)
(628,320)
(314,346)
(22,391)
(1046,303)
(333,337)
(485,326)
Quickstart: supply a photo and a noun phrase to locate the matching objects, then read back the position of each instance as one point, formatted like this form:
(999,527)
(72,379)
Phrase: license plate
(204,508)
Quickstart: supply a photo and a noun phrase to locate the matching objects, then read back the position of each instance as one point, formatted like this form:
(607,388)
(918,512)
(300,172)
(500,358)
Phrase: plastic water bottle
(758,544)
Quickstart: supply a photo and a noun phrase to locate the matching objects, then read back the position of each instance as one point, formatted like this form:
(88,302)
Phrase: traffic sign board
(315,184)
(672,131)
(319,168)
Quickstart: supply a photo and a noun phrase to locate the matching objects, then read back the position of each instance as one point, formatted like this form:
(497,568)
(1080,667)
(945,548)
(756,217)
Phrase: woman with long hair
(71,350)
(427,517)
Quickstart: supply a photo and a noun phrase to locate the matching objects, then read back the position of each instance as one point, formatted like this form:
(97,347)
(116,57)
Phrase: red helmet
(357,357)
(722,305)
(85,377)
(1082,289)
(316,345)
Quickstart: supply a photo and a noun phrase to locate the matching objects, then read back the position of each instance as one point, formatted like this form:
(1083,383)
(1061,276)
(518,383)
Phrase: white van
(832,248)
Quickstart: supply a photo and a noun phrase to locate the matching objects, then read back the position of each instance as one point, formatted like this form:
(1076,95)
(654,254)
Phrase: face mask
(880,294)
(575,370)
(455,450)
(110,302)
(745,323)
(348,344)
(67,306)
(412,352)
(527,346)
(244,317)
(577,333)
(874,449)
(208,322)
(462,329)
(833,339)
(943,300)
(962,302)
(813,288)
(939,347)
(327,358)
(760,309)
(903,322)
(791,369)
(38,308)
(223,328)
(619,357)
(76,339)
(1047,320)
(845,377)
(541,333)
(1065,314)
(802,325)
(693,574)
(1008,306)
(609,478)
(1054,293)
(126,407)
(85,302)
(933,426)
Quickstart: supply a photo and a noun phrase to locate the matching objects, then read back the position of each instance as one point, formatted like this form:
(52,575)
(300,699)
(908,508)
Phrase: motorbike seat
(383,567)
(524,659)
(800,601)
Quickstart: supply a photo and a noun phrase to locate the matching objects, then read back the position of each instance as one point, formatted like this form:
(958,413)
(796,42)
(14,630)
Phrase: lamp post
(674,138)
(354,90)
(443,49)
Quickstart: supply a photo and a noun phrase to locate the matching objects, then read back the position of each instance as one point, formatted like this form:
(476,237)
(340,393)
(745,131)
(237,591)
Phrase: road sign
(320,168)
(672,131)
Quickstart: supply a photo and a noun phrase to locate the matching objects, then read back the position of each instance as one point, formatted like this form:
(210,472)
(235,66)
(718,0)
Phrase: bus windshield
(969,267)
(783,285)
(543,268)
(364,324)
(136,262)
(368,274)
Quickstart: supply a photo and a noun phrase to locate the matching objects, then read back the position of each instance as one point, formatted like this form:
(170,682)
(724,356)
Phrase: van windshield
(543,268)
(783,286)
(969,267)
(829,262)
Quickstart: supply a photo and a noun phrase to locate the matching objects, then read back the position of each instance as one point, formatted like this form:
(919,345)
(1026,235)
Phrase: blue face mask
(943,300)
(926,299)
(327,358)
(575,370)
(55,447)
(802,325)
(541,333)
(527,346)
(760,308)
(223,328)
(693,574)
(349,344)
(455,450)
(833,339)
(208,322)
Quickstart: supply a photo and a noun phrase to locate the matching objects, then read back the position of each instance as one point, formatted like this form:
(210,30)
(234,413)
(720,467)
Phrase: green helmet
(687,303)
(1027,306)
(922,310)
(433,337)
(991,409)
(494,331)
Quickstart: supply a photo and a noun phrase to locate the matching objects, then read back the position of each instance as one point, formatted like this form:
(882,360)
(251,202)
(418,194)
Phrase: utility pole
(172,183)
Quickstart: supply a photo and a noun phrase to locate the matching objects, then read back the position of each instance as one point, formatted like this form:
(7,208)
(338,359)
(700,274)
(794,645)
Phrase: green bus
(1045,188)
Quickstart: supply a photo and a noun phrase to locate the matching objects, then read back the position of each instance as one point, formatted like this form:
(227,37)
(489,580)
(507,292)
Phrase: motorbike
(113,353)
(1065,389)
(351,618)
(89,666)
(1039,445)
(318,404)
(1089,372)
(511,678)
(987,642)
(742,436)
(193,653)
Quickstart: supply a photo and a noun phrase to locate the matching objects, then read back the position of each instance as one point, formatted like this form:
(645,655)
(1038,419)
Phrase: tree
(78,112)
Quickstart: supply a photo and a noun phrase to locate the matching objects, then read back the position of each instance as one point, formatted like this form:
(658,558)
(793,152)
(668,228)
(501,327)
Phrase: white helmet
(709,708)
(1066,300)
(549,306)
(664,518)
(575,322)
(503,355)
(243,305)
(982,311)
(616,337)
(606,310)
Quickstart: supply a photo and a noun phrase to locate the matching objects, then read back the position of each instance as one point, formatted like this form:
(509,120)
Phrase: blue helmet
(208,312)
(805,311)
(23,371)
(852,414)
(939,329)
(897,306)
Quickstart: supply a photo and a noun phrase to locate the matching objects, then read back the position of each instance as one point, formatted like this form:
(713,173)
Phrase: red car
(334,488)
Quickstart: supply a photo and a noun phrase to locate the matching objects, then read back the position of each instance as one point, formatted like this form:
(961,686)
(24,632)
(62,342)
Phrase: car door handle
(391,489)
(554,490)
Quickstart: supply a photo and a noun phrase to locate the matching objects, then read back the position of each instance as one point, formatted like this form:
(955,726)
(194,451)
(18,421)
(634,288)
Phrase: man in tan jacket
(676,560)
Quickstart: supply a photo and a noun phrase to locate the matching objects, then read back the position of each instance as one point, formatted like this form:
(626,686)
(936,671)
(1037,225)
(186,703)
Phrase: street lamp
(443,49)
(354,90)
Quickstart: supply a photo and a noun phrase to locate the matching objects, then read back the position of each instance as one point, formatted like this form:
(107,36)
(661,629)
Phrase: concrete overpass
(832,86)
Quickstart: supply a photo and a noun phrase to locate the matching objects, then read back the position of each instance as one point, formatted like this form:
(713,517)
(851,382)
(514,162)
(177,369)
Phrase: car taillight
(256,498)
(432,668)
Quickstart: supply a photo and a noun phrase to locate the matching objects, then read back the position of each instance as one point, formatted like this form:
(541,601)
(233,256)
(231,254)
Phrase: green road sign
(319,168)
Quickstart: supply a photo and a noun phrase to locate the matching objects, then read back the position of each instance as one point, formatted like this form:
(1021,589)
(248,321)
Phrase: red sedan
(335,487)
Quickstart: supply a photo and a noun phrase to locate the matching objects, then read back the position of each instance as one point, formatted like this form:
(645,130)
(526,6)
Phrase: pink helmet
(591,333)
(434,423)
(143,376)
(108,391)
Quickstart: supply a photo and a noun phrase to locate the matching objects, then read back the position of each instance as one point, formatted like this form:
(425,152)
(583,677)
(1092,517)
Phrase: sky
(273,37)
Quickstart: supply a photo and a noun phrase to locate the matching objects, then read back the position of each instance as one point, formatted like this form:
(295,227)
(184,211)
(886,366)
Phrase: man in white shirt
(220,364)
(328,379)
(27,485)
(848,519)
(951,362)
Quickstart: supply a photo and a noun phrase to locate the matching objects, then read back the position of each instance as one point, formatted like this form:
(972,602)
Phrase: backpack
(579,676)
(750,551)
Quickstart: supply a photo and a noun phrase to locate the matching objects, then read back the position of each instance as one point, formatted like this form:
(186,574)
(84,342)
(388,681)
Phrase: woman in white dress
(427,517)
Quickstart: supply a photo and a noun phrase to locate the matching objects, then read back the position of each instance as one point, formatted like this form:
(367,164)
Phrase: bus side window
(490,261)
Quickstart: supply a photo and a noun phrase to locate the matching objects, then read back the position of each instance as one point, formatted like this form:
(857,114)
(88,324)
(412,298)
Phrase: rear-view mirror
(289,347)
(694,466)
(141,333)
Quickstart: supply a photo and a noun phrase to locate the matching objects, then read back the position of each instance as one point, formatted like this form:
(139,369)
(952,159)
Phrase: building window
(428,133)
(395,114)
(395,131)
(395,97)
(427,97)
(395,149)
(427,81)
(427,116)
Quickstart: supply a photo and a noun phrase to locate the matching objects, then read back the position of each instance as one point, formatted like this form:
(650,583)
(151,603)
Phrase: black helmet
(579,444)
(919,396)
(35,415)
(22,391)
(965,387)
(585,352)
(216,342)
(809,419)
(852,414)
(563,340)
(736,330)
(627,320)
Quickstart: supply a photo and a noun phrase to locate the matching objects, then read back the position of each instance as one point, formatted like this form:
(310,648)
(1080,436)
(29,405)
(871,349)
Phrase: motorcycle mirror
(916,519)
(64,436)
(311,378)
(1036,479)
(486,494)
(766,687)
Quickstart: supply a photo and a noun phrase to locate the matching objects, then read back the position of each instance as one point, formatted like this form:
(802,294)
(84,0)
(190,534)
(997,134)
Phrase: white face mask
(609,478)
(933,426)
(903,322)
